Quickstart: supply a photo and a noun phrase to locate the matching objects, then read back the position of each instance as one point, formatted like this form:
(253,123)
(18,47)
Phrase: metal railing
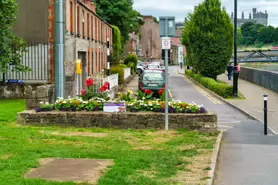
(127,73)
(36,57)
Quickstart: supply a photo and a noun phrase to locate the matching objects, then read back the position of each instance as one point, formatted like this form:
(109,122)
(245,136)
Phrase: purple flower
(189,111)
(38,109)
(203,110)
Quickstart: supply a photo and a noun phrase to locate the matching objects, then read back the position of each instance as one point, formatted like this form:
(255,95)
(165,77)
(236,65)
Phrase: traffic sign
(166,43)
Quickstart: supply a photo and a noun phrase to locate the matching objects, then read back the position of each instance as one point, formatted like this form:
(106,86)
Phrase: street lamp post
(235,79)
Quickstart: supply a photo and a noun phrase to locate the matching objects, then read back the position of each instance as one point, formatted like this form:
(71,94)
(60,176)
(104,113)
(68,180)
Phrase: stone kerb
(205,122)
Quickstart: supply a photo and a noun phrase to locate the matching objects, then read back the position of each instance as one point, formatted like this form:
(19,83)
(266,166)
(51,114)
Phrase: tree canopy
(9,43)
(252,33)
(121,14)
(208,36)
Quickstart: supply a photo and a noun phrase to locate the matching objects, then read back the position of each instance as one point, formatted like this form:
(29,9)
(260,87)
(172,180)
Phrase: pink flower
(83,92)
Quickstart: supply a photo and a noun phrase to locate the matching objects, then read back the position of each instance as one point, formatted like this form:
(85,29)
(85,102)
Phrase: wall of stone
(145,120)
(263,78)
(37,94)
(12,91)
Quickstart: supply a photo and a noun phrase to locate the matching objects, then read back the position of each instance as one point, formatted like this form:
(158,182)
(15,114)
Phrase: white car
(140,67)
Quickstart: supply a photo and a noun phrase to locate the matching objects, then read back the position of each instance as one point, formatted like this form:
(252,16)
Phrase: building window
(78,21)
(92,27)
(88,26)
(83,24)
(71,17)
(93,62)
(89,61)
(95,29)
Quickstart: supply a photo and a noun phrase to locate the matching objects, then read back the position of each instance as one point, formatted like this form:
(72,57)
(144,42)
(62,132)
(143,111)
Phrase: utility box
(171,26)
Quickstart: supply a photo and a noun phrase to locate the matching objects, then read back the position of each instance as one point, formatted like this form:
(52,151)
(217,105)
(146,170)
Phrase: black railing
(36,58)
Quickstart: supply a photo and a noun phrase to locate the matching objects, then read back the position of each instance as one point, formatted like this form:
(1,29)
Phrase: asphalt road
(246,157)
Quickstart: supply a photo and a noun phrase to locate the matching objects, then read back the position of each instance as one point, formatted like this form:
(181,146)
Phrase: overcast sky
(180,8)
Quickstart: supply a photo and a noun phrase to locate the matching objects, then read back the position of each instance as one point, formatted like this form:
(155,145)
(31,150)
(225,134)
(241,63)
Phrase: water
(264,66)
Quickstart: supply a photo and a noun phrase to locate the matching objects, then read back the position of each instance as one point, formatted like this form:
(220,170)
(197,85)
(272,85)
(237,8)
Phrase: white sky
(180,8)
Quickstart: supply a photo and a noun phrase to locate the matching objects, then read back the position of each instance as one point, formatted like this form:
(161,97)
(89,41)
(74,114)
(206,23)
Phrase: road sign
(166,43)
(180,54)
(167,26)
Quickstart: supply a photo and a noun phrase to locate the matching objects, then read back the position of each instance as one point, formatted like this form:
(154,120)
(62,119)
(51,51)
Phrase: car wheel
(139,71)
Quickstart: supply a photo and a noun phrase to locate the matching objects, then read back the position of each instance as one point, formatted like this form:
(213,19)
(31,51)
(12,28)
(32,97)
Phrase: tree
(208,36)
(9,43)
(121,14)
(117,45)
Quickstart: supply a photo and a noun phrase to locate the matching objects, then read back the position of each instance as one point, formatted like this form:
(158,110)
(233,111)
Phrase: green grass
(140,157)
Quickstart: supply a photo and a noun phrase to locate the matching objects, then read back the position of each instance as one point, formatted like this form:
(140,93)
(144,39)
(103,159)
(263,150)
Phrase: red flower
(102,89)
(83,92)
(89,82)
(148,91)
(161,91)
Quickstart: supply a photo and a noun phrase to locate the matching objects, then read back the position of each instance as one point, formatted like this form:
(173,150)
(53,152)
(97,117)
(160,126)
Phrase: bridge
(258,55)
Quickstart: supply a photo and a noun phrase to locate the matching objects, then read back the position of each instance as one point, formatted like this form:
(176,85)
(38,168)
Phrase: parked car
(153,80)
(141,67)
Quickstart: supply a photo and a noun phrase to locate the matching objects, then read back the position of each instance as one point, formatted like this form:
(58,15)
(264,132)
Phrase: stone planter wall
(206,122)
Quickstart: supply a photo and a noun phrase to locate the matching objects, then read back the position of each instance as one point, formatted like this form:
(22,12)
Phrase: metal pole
(235,79)
(265,114)
(166,79)
(108,55)
(59,33)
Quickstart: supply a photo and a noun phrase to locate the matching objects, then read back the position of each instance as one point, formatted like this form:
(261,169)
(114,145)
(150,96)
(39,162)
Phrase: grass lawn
(141,157)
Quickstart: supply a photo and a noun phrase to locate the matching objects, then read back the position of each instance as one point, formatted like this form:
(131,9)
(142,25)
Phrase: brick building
(150,40)
(86,36)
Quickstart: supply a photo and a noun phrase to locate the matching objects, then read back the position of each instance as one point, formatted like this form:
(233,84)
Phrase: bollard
(265,114)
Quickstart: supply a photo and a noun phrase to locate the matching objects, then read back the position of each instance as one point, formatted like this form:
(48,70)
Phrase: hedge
(220,88)
(120,70)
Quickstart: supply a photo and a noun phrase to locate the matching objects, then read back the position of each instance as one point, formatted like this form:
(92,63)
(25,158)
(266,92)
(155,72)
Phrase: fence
(113,80)
(100,79)
(37,58)
(127,73)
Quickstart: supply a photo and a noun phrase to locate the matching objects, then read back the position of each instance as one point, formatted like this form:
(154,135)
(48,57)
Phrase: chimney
(250,16)
(91,5)
(232,15)
(242,16)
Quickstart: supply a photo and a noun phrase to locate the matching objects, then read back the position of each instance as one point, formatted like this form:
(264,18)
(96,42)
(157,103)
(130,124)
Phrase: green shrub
(120,70)
(123,65)
(131,61)
(220,88)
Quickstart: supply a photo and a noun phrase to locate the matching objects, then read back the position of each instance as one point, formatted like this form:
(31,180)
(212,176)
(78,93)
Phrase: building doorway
(83,57)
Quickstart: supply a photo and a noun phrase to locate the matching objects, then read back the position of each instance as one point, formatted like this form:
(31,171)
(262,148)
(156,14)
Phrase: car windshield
(153,66)
(153,76)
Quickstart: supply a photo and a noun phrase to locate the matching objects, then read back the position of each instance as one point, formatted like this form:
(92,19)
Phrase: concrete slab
(74,170)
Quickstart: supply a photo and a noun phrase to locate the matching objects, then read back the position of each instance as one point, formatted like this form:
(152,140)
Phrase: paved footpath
(247,157)
(253,104)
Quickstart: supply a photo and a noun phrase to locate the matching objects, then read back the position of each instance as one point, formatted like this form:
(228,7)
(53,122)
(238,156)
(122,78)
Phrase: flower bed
(135,105)
(143,102)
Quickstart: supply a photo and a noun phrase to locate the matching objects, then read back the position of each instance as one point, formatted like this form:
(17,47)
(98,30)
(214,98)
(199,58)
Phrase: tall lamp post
(235,79)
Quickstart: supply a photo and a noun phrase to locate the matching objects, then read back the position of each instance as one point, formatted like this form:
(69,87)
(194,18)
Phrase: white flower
(46,103)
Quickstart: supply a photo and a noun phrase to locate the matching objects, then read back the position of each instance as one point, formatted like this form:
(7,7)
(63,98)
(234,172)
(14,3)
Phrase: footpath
(253,104)
(246,156)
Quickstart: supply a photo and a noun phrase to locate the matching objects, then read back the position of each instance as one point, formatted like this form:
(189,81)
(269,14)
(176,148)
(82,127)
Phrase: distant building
(257,18)
(150,40)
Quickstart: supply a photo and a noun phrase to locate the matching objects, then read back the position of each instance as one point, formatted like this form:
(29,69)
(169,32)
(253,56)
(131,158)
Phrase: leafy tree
(9,43)
(121,14)
(208,36)
(117,45)
(155,20)
(131,61)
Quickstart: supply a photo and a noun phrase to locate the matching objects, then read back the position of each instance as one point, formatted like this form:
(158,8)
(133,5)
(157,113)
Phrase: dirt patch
(186,147)
(197,170)
(83,134)
(74,170)
(5,157)
(150,139)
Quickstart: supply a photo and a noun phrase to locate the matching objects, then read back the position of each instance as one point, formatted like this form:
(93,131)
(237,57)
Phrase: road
(246,156)
(182,89)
